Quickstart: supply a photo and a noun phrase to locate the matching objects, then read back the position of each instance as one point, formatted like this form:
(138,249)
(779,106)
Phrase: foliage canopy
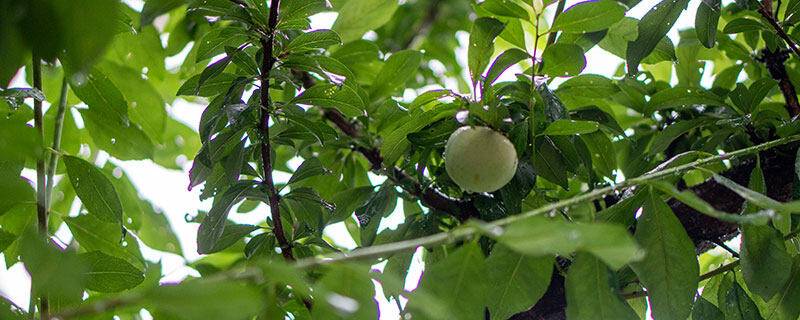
(623,182)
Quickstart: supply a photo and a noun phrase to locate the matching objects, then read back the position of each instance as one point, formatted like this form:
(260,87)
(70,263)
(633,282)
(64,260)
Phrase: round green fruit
(479,159)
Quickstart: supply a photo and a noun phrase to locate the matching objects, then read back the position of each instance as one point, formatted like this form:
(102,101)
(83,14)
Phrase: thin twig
(267,62)
(56,146)
(765,12)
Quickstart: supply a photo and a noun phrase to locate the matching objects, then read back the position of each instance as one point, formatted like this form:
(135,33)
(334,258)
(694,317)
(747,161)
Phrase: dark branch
(766,11)
(267,62)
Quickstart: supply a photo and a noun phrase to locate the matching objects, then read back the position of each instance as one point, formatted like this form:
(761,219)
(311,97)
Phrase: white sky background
(166,189)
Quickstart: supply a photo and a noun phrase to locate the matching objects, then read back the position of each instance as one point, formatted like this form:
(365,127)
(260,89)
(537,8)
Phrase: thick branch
(267,62)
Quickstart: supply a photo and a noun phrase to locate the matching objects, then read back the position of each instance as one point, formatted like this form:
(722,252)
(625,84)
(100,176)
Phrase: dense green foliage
(608,204)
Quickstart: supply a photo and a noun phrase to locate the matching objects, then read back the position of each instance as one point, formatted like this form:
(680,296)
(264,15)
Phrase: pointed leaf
(669,269)
(110,274)
(95,190)
(652,28)
(313,40)
(459,280)
(517,280)
(397,69)
(589,291)
(481,45)
(589,16)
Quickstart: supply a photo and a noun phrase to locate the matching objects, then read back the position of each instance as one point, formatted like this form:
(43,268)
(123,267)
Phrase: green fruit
(479,159)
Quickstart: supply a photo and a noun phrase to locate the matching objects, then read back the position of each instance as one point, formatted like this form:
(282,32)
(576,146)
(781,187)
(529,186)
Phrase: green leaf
(110,274)
(740,25)
(517,280)
(57,272)
(590,294)
(298,10)
(481,45)
(784,305)
(347,201)
(739,306)
(514,34)
(102,97)
(146,106)
(706,21)
(86,33)
(397,69)
(213,225)
(309,168)
(570,127)
(669,269)
(14,190)
(154,8)
(396,142)
(703,309)
(150,227)
(346,292)
(604,159)
(317,39)
(589,16)
(421,101)
(683,96)
(233,233)
(356,17)
(588,86)
(95,190)
(665,137)
(540,236)
(459,280)
(343,98)
(215,41)
(505,60)
(766,264)
(554,109)
(211,87)
(504,8)
(96,235)
(124,142)
(563,59)
(652,28)
(369,215)
(549,163)
(204,299)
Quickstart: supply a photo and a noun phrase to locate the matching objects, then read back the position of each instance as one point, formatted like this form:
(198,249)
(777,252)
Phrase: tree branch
(430,196)
(56,146)
(41,182)
(766,12)
(267,62)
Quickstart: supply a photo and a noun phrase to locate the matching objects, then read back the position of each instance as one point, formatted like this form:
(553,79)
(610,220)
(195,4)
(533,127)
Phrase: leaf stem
(267,62)
(461,233)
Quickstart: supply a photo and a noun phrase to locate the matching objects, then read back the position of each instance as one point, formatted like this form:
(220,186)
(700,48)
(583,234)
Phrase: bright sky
(166,189)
